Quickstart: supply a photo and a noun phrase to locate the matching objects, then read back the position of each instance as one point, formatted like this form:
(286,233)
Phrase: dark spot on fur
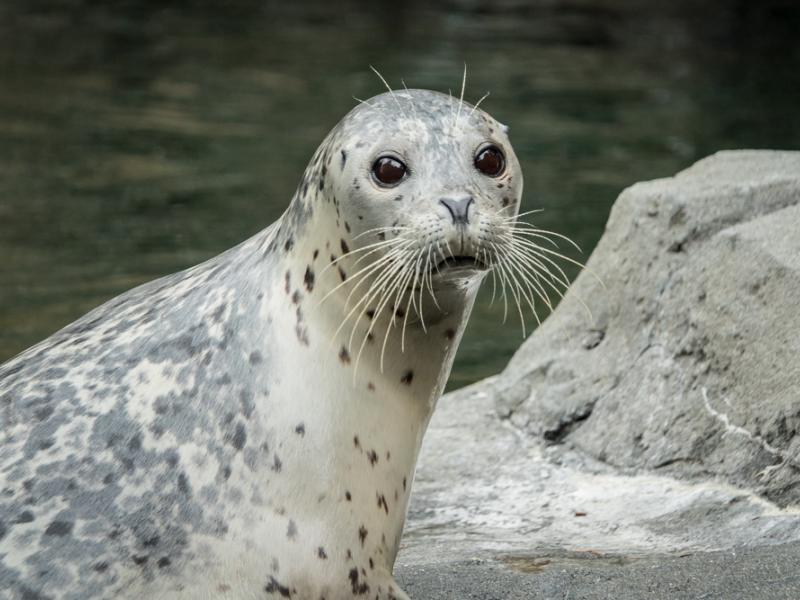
(344,356)
(404,484)
(359,588)
(302,334)
(342,274)
(296,296)
(370,386)
(356,442)
(43,413)
(59,528)
(382,503)
(381,235)
(140,560)
(345,247)
(348,496)
(291,530)
(500,185)
(239,437)
(277,465)
(344,159)
(506,201)
(399,313)
(316,254)
(370,313)
(273,587)
(347,227)
(300,430)
(450,334)
(100,567)
(373,457)
(164,562)
(183,484)
(321,553)
(25,516)
(308,279)
(407,377)
(398,198)
(135,443)
(289,243)
(371,563)
(255,358)
(287,287)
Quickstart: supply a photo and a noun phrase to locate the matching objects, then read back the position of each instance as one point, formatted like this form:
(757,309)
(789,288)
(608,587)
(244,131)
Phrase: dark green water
(139,138)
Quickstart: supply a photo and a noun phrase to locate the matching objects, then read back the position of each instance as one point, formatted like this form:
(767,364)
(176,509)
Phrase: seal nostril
(458,208)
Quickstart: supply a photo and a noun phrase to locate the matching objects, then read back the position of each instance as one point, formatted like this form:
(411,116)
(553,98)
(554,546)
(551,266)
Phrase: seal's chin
(460,263)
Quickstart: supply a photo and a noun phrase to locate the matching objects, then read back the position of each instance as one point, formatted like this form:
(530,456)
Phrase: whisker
(374,229)
(374,291)
(366,270)
(478,103)
(379,309)
(388,87)
(516,218)
(531,252)
(502,283)
(527,229)
(461,97)
(371,248)
(360,101)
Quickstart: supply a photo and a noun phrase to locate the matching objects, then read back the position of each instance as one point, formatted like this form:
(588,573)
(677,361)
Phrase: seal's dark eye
(490,161)
(388,170)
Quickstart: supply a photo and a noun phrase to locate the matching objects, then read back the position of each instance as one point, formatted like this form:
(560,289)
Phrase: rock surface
(692,363)
(652,450)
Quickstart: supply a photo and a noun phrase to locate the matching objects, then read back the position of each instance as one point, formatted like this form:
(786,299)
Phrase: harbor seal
(249,427)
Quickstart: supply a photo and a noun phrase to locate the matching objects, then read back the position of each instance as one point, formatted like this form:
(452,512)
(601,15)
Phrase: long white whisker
(388,87)
(524,228)
(388,228)
(375,291)
(371,248)
(498,268)
(360,101)
(367,269)
(478,103)
(531,254)
(461,97)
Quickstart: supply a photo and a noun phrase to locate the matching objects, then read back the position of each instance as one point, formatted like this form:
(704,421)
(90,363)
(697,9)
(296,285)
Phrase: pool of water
(139,138)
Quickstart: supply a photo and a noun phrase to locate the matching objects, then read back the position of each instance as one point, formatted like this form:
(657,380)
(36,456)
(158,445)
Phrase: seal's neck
(378,370)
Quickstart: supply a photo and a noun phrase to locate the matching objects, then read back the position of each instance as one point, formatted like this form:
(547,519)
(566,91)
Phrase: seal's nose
(458,207)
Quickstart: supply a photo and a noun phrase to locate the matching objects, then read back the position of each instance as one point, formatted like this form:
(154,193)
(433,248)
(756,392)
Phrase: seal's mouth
(471,263)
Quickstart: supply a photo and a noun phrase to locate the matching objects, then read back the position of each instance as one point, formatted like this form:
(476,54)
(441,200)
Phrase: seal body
(248,428)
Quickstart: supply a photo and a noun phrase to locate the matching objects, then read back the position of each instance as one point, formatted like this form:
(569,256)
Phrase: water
(137,139)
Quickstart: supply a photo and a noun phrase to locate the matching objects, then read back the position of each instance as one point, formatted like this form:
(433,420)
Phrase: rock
(690,364)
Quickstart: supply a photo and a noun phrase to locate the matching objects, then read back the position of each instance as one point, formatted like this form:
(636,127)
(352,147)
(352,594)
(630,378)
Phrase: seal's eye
(490,161)
(387,170)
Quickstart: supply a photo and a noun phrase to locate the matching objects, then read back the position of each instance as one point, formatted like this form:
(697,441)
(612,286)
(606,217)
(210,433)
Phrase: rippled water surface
(140,138)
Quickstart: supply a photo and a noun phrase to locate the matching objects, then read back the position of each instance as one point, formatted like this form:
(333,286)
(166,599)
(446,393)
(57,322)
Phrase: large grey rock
(691,364)
(649,452)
